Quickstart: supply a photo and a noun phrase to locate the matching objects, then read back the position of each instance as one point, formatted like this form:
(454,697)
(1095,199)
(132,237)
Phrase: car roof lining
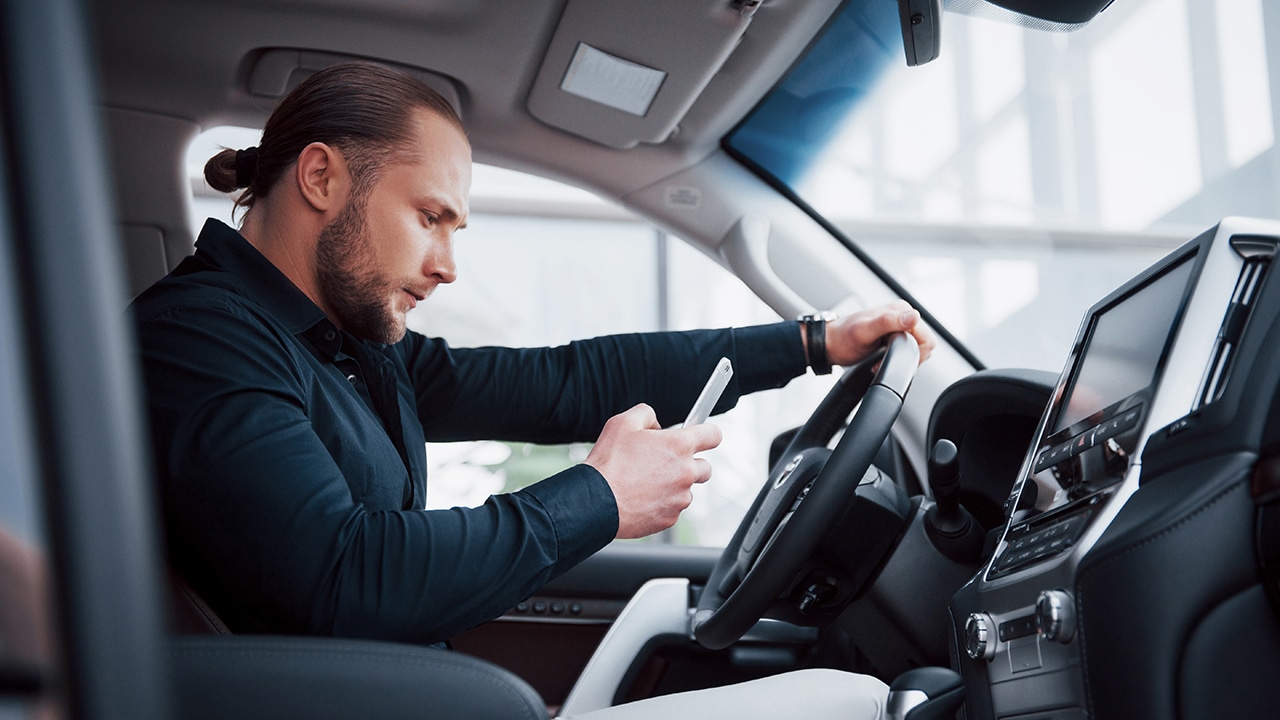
(152,60)
(171,68)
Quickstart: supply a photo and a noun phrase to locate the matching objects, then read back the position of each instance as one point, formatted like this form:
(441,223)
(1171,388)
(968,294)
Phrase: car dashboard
(1126,566)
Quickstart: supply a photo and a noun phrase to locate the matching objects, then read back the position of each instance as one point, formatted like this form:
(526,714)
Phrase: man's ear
(322,177)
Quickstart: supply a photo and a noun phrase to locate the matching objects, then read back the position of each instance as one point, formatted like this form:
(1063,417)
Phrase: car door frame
(85,434)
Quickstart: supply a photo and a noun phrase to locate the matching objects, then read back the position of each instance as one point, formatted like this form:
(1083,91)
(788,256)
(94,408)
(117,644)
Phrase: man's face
(392,244)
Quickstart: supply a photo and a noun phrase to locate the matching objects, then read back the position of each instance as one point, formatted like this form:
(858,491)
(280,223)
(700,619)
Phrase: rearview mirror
(921,29)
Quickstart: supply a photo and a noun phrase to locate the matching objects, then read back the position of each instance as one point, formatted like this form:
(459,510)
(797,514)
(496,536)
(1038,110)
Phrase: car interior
(1096,540)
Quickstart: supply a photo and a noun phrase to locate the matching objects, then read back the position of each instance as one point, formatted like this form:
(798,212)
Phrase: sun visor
(621,72)
(276,71)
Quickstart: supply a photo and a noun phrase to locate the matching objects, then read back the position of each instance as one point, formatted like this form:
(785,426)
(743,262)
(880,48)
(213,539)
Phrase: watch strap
(815,333)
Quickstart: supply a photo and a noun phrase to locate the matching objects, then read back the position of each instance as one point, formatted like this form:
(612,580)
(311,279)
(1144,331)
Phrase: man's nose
(439,262)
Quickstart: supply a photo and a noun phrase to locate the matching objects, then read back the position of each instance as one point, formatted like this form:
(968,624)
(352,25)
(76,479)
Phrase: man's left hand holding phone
(652,470)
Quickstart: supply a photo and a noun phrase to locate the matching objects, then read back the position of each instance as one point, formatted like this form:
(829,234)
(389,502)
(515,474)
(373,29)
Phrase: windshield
(1021,176)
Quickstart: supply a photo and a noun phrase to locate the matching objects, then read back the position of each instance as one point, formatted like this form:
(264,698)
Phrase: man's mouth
(415,296)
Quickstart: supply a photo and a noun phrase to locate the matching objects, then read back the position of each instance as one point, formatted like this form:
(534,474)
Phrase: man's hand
(853,337)
(650,470)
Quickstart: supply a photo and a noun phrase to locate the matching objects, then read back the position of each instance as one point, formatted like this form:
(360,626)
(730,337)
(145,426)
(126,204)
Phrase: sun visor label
(596,75)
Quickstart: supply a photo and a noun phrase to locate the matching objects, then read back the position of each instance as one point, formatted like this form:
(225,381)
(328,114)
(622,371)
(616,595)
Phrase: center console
(1146,357)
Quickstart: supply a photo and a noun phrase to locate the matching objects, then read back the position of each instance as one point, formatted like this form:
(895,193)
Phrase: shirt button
(329,334)
(351,378)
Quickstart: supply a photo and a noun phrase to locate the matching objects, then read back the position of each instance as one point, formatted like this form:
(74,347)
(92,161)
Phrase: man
(290,407)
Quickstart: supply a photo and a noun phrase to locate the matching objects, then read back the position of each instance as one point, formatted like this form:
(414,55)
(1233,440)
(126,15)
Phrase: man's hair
(363,109)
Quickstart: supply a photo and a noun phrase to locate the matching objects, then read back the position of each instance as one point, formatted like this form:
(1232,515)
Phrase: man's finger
(703,470)
(701,437)
(911,323)
(926,339)
(901,317)
(641,417)
(901,321)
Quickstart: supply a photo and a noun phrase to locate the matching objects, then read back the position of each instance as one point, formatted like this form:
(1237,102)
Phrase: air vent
(1257,251)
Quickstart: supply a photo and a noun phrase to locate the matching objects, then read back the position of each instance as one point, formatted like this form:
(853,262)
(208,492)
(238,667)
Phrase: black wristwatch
(815,333)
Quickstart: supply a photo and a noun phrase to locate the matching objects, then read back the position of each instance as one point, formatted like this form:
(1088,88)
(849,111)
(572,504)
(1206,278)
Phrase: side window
(542,263)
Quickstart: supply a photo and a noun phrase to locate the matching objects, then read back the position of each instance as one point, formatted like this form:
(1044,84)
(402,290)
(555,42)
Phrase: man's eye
(430,218)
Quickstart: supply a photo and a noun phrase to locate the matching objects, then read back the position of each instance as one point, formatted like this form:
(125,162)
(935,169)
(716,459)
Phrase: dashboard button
(1020,627)
(1056,616)
(978,642)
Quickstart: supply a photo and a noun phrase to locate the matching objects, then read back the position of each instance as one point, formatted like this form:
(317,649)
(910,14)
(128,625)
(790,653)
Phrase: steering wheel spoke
(782,497)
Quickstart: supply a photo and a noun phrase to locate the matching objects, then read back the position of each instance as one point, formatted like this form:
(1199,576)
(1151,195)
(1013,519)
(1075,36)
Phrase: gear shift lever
(950,527)
(927,693)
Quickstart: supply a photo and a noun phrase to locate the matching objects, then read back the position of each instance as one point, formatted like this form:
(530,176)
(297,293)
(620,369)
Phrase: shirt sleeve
(565,394)
(263,524)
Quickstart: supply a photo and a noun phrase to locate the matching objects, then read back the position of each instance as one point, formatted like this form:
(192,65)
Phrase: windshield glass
(1022,175)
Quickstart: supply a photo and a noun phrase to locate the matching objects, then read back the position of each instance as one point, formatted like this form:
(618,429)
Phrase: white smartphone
(711,393)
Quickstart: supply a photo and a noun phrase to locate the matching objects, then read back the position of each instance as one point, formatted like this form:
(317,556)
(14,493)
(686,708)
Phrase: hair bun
(220,172)
(246,166)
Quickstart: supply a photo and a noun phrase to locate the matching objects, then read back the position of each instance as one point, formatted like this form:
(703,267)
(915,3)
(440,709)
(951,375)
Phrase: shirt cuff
(582,510)
(768,356)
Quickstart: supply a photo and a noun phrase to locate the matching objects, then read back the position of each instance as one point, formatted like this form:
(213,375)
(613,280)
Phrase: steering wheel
(807,493)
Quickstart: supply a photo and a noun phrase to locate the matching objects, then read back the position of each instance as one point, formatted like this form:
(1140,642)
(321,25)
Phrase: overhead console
(1148,356)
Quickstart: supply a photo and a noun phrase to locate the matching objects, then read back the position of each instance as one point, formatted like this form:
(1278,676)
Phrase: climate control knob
(978,639)
(1056,616)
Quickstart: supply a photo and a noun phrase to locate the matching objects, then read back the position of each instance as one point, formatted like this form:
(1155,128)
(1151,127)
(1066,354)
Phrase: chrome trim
(780,632)
(901,702)
(1055,616)
(979,643)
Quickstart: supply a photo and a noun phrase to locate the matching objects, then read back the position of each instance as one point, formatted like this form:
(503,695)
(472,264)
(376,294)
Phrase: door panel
(548,639)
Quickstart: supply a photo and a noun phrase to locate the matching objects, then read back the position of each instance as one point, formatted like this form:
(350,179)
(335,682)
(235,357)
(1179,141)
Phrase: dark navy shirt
(291,457)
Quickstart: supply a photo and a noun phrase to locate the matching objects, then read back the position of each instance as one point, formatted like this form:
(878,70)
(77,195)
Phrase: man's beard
(357,294)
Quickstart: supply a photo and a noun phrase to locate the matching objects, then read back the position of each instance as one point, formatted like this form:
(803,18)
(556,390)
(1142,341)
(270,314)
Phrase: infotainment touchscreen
(1094,426)
(1115,372)
(1124,348)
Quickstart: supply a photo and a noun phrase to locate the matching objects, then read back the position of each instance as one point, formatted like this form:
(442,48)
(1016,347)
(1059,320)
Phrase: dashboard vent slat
(1257,253)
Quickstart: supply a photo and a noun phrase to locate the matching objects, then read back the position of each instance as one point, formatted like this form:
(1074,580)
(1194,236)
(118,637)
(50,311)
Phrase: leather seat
(259,676)
(220,675)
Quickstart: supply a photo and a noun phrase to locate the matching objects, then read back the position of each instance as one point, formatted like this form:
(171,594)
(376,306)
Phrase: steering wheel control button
(786,472)
(1056,616)
(978,642)
(804,492)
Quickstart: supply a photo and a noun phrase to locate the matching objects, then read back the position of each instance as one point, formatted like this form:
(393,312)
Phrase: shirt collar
(261,281)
